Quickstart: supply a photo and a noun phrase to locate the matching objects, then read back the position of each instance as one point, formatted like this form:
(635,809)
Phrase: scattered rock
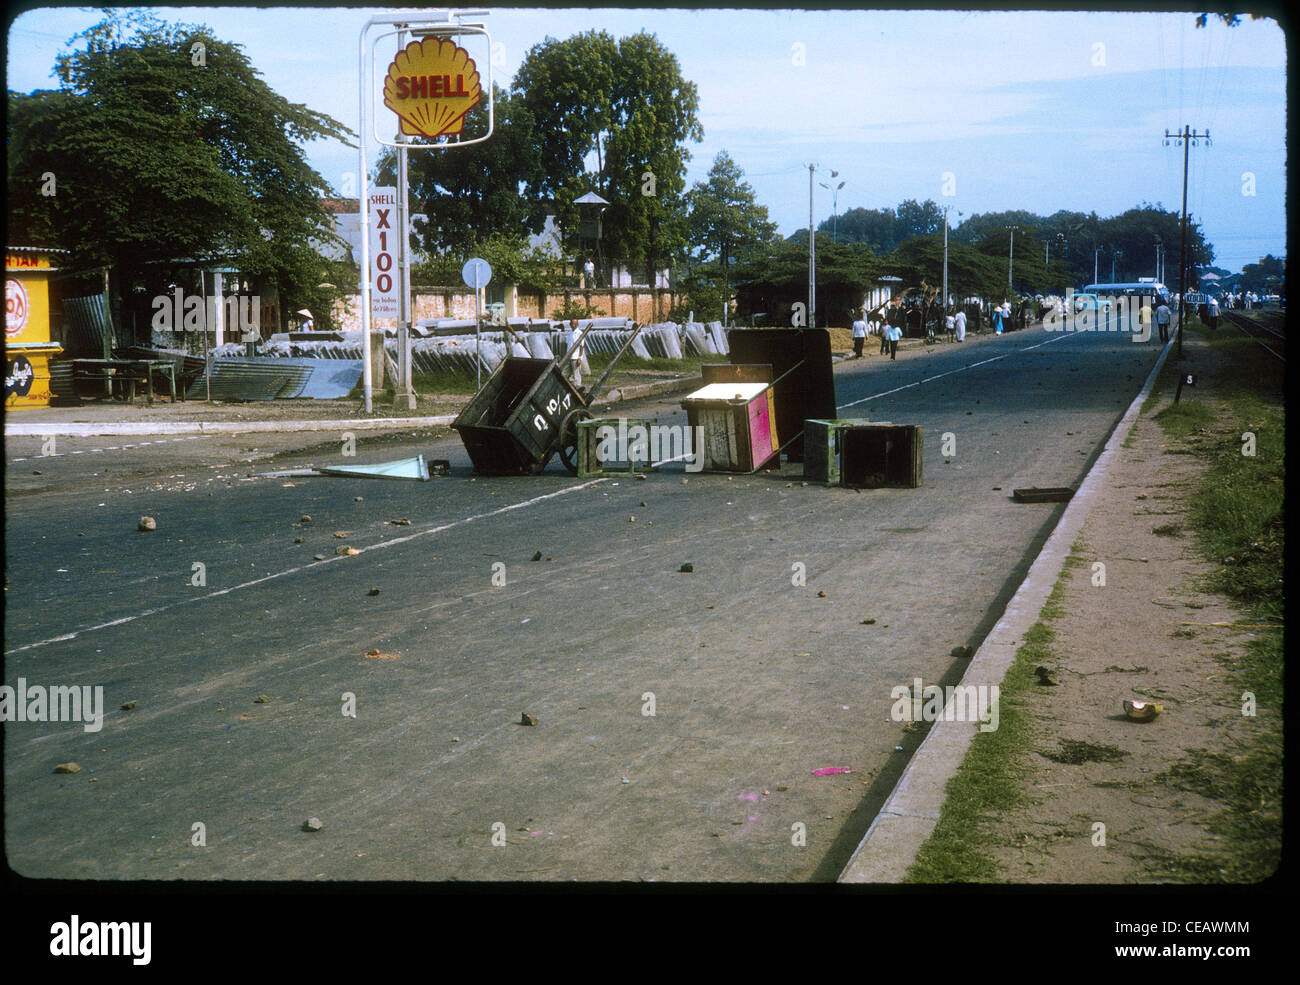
(400,522)
(357,499)
(261,699)
(67,768)
(643,502)
(640,475)
(1141,495)
(1046,676)
(377,655)
(318,557)
(1142,711)
(687,567)
(128,705)
(961,651)
(298,540)
(868,622)
(821,594)
(537,556)
(148,523)
(346,551)
(312,824)
(527,719)
(305,518)
(340,534)
(782,789)
(373,591)
(631,519)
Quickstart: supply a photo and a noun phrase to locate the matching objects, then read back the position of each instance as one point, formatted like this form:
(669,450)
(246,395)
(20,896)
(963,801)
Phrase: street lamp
(835,215)
(1060,238)
(1096,252)
(1116,255)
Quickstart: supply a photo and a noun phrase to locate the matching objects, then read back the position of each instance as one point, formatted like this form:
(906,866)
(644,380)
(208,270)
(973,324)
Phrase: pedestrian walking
(895,333)
(950,326)
(997,319)
(1163,315)
(1212,313)
(575,364)
(959,325)
(859,333)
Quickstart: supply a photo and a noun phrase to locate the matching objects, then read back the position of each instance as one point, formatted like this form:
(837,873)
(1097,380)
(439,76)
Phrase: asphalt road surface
(680,716)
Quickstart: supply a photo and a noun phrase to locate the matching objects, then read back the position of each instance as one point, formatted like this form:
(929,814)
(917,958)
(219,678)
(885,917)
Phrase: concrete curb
(910,814)
(86,429)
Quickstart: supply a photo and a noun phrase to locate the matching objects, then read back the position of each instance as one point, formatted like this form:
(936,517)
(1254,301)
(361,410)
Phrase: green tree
(917,219)
(470,193)
(1267,276)
(874,227)
(724,220)
(627,103)
(166,144)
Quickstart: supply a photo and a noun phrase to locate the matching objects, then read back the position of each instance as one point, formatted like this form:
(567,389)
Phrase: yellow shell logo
(432,84)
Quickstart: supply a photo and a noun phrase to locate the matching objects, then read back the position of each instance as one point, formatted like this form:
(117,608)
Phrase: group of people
(890,330)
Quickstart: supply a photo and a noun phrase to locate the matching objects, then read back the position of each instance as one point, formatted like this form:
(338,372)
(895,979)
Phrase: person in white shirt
(859,333)
(1212,312)
(1163,316)
(959,323)
(950,325)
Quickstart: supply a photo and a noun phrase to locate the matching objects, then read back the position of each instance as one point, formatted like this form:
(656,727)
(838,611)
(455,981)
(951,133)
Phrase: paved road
(755,681)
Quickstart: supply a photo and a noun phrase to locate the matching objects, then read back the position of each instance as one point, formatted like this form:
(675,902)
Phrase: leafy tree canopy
(165,143)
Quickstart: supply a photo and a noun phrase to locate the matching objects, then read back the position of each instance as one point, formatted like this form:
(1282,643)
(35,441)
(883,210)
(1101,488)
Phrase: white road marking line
(931,379)
(304,567)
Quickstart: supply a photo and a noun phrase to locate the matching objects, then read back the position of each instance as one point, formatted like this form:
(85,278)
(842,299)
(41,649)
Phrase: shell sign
(432,85)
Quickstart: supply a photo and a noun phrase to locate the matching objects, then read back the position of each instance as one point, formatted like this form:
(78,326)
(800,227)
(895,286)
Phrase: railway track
(1264,327)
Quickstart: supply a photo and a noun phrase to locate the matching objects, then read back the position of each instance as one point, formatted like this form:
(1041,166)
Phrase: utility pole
(1011,253)
(1186,138)
(812,251)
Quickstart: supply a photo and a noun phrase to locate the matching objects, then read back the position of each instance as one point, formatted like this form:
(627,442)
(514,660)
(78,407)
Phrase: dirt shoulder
(1093,797)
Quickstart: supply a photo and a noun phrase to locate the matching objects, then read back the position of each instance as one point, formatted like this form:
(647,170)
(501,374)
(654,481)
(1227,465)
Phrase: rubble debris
(961,651)
(832,771)
(128,705)
(373,591)
(312,824)
(537,556)
(821,594)
(1142,711)
(1046,676)
(261,699)
(346,551)
(375,654)
(400,522)
(67,768)
(305,518)
(341,534)
(148,523)
(527,719)
(687,567)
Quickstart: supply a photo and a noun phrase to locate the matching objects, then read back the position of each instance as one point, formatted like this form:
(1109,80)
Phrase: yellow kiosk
(28,346)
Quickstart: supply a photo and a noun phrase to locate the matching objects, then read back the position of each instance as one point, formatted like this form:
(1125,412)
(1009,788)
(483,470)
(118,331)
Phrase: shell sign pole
(430,85)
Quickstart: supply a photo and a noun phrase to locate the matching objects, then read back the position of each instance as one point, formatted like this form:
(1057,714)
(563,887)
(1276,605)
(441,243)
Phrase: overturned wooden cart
(528,411)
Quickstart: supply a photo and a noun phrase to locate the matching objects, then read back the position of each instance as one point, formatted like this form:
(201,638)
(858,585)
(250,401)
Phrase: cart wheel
(569,438)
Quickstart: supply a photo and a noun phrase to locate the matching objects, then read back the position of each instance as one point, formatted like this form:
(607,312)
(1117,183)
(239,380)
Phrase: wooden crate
(881,454)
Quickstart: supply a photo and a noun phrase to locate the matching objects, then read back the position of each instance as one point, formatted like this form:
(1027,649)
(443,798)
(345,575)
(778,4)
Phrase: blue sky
(1031,110)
